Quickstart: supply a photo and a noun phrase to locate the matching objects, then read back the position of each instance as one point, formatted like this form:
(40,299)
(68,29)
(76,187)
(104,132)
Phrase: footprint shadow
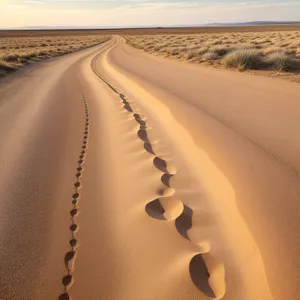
(166,178)
(128,107)
(155,210)
(139,120)
(184,222)
(165,208)
(64,296)
(142,134)
(200,275)
(160,164)
(148,148)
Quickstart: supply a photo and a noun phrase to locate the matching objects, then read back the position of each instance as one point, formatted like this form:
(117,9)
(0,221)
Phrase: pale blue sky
(16,13)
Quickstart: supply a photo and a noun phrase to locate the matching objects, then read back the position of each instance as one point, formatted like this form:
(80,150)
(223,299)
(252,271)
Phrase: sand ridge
(208,277)
(151,104)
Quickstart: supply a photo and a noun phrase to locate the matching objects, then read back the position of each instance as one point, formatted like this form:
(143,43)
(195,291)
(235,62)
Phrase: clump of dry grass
(210,55)
(10,57)
(243,59)
(16,51)
(4,65)
(279,60)
(173,51)
(242,50)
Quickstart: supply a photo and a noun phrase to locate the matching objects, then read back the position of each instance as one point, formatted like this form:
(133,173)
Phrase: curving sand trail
(131,177)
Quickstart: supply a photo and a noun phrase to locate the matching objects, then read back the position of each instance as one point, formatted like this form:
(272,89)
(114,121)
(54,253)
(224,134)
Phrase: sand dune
(126,176)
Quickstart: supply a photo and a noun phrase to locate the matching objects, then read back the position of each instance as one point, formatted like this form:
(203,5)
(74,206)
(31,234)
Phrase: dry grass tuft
(17,51)
(243,59)
(279,61)
(4,65)
(210,55)
(242,50)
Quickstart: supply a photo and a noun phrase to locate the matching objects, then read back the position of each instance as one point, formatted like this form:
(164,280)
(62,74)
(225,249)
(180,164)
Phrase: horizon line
(87,27)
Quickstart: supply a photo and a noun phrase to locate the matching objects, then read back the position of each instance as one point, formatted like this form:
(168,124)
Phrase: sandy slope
(179,172)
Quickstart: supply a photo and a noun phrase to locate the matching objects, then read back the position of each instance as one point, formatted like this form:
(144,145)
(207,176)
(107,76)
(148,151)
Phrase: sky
(122,13)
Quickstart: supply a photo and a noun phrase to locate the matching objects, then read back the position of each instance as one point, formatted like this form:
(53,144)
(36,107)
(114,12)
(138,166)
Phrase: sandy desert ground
(130,176)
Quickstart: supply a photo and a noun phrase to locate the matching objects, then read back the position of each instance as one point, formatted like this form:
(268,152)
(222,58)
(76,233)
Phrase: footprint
(208,275)
(142,134)
(168,208)
(64,296)
(155,210)
(75,196)
(68,258)
(73,243)
(148,148)
(67,280)
(122,96)
(166,178)
(73,227)
(162,165)
(77,184)
(184,222)
(73,212)
(200,275)
(216,270)
(128,107)
(140,121)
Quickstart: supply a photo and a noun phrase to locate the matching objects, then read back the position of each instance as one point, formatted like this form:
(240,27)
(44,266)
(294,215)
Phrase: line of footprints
(207,273)
(69,258)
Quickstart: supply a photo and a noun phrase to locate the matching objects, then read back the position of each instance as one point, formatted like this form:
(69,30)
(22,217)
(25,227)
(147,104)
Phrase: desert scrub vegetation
(243,59)
(16,52)
(271,50)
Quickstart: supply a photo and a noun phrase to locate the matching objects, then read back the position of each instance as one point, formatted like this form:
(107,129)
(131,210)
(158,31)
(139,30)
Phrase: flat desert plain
(126,175)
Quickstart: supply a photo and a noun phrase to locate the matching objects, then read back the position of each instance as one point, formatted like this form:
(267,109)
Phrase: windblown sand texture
(130,176)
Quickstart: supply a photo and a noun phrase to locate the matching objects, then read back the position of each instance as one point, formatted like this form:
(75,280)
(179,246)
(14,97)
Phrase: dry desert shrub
(244,50)
(210,55)
(173,51)
(17,51)
(243,59)
(4,65)
(279,61)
